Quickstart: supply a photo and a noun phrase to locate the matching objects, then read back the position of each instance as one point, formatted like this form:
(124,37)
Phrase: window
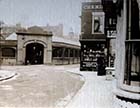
(66,53)
(57,52)
(132,68)
(132,45)
(71,53)
(8,52)
(97,22)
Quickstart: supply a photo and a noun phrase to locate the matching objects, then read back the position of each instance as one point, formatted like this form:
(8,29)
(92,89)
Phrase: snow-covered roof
(64,40)
(13,36)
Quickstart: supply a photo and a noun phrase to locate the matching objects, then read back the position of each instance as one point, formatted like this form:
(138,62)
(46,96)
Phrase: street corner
(6,74)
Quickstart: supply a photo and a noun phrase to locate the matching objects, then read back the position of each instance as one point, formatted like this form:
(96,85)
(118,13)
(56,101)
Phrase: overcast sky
(42,12)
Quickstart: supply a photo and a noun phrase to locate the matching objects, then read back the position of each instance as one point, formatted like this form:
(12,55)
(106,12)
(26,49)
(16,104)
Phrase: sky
(42,12)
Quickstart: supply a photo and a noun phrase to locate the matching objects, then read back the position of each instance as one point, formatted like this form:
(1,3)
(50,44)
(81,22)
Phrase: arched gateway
(34,46)
(34,53)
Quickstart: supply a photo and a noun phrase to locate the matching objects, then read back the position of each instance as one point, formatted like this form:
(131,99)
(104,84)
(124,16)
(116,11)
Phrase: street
(39,86)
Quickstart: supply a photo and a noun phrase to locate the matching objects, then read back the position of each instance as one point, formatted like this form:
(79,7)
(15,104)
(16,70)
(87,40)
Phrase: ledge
(126,94)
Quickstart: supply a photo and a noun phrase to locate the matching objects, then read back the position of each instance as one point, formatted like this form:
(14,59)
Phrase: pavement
(95,92)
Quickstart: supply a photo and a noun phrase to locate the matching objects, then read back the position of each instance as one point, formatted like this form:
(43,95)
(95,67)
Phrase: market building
(127,64)
(35,45)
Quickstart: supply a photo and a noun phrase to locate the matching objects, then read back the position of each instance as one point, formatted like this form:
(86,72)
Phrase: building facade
(127,92)
(35,45)
(92,39)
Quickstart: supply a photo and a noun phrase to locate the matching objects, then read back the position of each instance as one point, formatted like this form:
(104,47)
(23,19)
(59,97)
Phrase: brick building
(92,38)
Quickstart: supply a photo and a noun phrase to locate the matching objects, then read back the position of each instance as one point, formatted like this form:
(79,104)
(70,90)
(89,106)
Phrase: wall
(34,35)
(9,61)
(68,60)
(122,90)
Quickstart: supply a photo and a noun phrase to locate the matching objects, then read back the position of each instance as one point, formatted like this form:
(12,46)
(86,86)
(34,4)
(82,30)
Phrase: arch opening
(34,53)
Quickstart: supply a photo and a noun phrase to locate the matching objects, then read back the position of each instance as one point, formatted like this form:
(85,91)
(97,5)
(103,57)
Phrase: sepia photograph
(69,53)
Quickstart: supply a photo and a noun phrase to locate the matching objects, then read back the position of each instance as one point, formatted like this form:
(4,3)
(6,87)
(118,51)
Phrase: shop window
(132,45)
(132,70)
(8,52)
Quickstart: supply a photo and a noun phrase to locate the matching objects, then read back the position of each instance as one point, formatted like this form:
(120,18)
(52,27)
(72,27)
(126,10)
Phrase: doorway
(34,53)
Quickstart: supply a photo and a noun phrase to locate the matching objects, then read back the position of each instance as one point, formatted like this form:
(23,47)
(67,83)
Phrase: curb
(76,73)
(5,75)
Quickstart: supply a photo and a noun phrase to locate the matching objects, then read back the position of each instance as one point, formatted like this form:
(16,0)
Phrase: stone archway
(34,37)
(34,53)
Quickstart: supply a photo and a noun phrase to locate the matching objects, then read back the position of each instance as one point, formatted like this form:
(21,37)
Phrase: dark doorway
(34,53)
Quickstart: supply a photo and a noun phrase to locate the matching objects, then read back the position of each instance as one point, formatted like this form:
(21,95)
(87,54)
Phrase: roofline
(29,33)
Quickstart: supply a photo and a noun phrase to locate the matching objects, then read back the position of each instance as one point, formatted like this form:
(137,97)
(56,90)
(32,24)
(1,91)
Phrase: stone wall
(9,61)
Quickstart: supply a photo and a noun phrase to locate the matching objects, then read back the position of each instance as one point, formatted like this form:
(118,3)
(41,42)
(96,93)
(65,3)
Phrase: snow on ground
(97,92)
(5,74)
(39,86)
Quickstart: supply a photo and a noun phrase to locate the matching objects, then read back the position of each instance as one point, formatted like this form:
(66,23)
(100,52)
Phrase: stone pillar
(45,55)
(20,51)
(69,56)
(73,56)
(49,51)
(24,55)
(20,56)
(63,55)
